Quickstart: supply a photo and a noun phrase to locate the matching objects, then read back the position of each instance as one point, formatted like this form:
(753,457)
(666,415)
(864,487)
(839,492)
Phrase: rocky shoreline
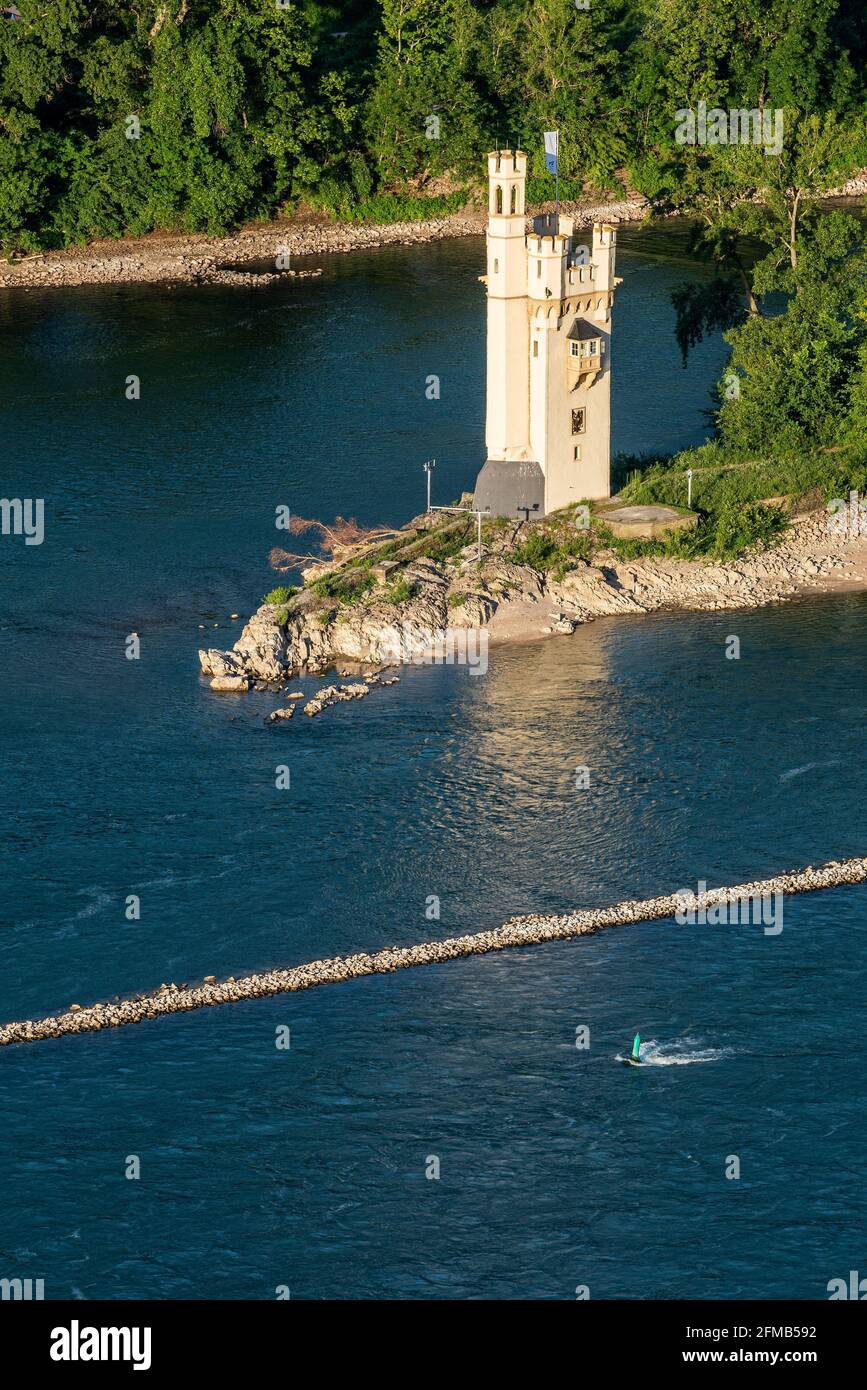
(509,602)
(164,258)
(518,931)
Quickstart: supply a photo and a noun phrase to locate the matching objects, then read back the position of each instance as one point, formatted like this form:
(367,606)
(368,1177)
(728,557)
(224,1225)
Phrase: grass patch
(722,478)
(729,492)
(400,591)
(344,587)
(553,549)
(721,535)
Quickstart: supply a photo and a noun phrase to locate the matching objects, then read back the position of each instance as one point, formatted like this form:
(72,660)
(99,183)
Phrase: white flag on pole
(552,150)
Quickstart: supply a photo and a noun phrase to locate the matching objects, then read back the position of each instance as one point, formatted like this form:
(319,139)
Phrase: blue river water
(266,1168)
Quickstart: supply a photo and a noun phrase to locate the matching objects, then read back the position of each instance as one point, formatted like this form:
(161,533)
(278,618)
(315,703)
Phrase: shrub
(383,208)
(281,595)
(737,528)
(548,552)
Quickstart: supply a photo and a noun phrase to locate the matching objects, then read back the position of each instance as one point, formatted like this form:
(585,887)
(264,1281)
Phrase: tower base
(510,488)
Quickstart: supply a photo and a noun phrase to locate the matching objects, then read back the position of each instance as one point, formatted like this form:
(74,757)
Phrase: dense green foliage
(118,116)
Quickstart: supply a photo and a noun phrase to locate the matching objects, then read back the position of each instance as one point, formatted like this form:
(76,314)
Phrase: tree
(801,372)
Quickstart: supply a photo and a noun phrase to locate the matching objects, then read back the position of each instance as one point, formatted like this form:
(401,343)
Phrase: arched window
(498,200)
(514,198)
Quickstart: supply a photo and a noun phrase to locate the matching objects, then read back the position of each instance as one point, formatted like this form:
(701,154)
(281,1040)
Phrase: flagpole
(552,152)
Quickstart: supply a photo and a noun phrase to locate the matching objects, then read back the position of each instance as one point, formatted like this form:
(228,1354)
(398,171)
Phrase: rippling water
(306,1167)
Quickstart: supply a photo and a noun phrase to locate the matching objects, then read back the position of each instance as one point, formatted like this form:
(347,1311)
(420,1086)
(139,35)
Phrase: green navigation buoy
(635,1059)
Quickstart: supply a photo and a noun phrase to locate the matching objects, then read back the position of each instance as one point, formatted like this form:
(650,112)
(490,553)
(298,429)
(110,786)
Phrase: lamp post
(428,468)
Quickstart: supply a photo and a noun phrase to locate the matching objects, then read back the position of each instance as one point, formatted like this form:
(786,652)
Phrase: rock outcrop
(511,600)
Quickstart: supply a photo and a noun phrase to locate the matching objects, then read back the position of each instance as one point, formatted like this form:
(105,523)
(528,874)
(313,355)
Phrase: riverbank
(382,621)
(166,257)
(518,931)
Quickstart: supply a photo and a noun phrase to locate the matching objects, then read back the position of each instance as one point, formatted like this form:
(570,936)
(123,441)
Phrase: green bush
(457,600)
(546,551)
(281,595)
(384,208)
(739,527)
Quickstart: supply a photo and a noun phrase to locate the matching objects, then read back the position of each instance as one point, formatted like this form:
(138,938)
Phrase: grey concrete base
(644,522)
(505,488)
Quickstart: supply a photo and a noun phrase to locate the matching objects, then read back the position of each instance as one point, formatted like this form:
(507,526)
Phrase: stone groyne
(518,931)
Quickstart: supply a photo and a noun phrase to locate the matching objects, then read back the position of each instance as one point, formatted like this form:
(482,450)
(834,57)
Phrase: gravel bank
(519,931)
(163,257)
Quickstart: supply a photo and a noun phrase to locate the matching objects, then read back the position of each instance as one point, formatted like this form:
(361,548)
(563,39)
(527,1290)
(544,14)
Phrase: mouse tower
(549,298)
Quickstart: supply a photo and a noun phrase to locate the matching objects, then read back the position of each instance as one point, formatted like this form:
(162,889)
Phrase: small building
(549,298)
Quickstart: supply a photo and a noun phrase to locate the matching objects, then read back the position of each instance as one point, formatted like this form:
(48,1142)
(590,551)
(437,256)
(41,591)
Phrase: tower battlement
(508,163)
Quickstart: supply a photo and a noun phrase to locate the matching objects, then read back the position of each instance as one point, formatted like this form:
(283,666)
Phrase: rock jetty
(518,931)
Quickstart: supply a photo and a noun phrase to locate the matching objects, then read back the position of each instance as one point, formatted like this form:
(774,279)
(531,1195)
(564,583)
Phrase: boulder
(230,684)
(215,663)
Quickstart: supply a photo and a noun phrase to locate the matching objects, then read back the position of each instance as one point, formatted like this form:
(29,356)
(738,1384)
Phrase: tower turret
(510,477)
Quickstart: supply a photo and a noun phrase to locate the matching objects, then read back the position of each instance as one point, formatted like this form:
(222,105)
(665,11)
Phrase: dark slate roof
(582,329)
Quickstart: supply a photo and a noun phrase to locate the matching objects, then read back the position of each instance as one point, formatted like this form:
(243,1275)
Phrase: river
(265,1168)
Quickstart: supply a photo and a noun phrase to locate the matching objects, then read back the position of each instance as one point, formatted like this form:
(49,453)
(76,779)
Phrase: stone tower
(548,421)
